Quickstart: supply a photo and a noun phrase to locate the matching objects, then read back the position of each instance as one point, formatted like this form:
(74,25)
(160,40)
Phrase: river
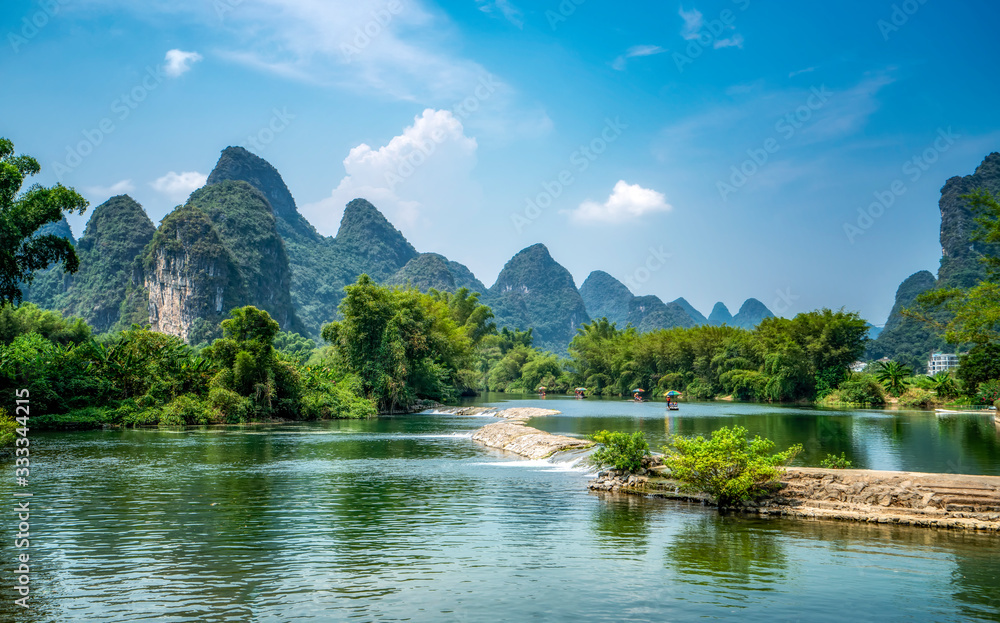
(404,518)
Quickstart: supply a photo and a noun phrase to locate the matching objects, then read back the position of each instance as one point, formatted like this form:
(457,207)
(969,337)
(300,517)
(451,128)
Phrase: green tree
(980,364)
(892,375)
(402,344)
(728,466)
(944,385)
(623,451)
(22,252)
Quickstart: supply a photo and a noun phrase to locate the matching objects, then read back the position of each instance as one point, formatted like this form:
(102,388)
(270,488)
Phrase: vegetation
(893,377)
(780,360)
(22,249)
(727,465)
(862,390)
(832,461)
(621,450)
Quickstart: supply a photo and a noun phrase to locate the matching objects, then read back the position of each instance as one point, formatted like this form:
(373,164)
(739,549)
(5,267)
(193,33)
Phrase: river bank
(959,501)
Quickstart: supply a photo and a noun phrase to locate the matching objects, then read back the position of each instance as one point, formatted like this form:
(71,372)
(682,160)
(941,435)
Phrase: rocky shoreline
(513,435)
(906,498)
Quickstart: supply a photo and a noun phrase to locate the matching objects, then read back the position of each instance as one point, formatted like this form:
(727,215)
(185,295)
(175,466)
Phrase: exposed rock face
(960,266)
(720,315)
(907,340)
(245,224)
(533,290)
(317,278)
(190,276)
(751,313)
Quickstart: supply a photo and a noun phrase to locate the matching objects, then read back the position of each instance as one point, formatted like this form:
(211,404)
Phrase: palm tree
(892,375)
(944,384)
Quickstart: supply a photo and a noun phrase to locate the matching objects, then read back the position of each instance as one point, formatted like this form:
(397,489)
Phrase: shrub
(183,410)
(861,389)
(916,398)
(622,450)
(727,465)
(832,461)
(8,426)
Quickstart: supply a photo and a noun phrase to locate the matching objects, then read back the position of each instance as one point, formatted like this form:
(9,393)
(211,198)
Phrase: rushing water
(405,518)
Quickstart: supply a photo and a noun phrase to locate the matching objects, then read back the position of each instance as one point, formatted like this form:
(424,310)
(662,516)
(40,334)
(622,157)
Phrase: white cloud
(510,12)
(692,23)
(634,51)
(118,188)
(627,202)
(427,167)
(179,62)
(792,74)
(736,41)
(177,186)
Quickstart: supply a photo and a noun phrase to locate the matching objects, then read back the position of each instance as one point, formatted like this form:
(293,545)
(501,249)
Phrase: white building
(859,366)
(941,362)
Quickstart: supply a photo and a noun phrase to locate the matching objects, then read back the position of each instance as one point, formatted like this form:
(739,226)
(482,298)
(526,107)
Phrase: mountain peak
(366,233)
(238,164)
(720,315)
(606,297)
(751,313)
(696,315)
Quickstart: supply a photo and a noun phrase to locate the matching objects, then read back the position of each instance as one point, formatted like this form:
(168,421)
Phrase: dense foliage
(780,360)
(403,344)
(728,466)
(621,450)
(22,250)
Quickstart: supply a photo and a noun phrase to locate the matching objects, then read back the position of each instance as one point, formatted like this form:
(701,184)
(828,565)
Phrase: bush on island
(728,466)
(623,451)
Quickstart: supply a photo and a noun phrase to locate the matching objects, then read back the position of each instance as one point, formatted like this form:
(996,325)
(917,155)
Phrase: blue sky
(712,150)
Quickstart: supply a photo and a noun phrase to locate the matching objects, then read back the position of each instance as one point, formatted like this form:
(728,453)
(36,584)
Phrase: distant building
(859,366)
(941,362)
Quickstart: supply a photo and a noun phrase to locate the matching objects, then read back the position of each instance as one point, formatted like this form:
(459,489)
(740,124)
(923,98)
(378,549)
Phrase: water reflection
(728,552)
(621,522)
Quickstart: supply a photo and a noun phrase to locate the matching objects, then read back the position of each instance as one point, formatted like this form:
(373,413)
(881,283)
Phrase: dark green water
(405,518)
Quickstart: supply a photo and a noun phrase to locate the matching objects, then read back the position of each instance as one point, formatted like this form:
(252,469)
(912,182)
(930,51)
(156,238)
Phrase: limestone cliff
(190,276)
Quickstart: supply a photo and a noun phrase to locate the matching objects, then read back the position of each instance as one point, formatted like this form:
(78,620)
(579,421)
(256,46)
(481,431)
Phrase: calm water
(405,518)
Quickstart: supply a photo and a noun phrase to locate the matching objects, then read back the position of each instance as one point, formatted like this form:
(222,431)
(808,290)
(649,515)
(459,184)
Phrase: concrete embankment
(514,436)
(908,498)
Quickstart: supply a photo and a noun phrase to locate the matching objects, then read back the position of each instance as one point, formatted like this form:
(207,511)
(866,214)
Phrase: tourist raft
(908,498)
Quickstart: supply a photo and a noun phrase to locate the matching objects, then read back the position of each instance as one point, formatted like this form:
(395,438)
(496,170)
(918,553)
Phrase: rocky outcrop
(907,498)
(513,435)
(189,276)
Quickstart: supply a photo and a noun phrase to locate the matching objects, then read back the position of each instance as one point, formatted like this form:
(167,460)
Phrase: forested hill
(910,341)
(240,240)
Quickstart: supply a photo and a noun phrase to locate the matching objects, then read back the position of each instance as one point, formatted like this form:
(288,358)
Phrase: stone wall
(908,498)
